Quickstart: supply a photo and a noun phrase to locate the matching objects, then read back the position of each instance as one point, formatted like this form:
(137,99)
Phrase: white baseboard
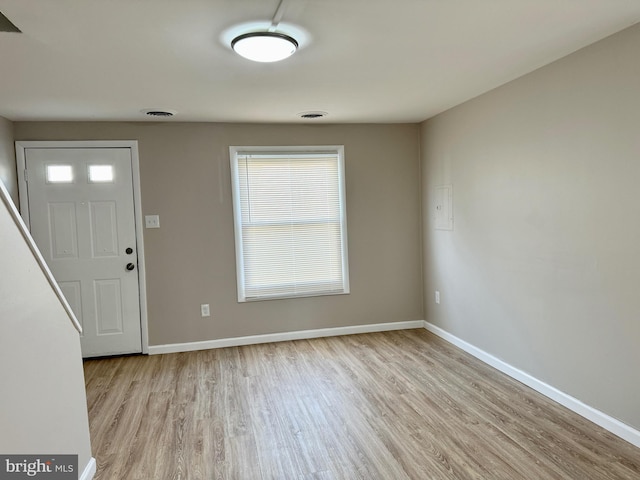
(283,337)
(607,422)
(89,470)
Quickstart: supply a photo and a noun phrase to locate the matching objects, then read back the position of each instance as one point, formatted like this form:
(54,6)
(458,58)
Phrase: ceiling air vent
(312,115)
(7,26)
(156,112)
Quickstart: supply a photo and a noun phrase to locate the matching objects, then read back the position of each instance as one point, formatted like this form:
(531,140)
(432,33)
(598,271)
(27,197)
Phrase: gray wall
(44,406)
(542,268)
(191,259)
(8,159)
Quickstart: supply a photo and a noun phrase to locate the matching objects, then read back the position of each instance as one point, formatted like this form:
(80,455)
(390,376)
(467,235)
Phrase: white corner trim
(607,422)
(283,337)
(89,470)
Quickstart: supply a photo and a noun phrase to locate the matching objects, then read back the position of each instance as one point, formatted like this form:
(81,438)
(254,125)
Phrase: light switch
(152,221)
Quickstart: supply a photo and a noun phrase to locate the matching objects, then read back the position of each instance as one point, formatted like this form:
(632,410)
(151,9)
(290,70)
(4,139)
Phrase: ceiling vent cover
(156,112)
(312,115)
(7,26)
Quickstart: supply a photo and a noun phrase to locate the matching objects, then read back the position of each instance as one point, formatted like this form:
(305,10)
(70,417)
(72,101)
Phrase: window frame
(234,152)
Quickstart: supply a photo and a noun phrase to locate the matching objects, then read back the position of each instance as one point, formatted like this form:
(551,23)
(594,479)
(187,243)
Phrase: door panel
(63,230)
(104,231)
(71,291)
(81,214)
(108,294)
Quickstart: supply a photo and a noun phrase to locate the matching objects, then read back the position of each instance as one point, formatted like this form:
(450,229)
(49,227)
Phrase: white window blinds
(290,222)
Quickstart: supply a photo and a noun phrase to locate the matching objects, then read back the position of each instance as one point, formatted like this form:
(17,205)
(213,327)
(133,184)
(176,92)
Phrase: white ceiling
(370,61)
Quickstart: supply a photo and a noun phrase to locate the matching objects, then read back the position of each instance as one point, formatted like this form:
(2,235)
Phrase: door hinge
(26,176)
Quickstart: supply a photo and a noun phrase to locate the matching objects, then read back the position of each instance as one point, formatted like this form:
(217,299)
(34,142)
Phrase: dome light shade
(264,46)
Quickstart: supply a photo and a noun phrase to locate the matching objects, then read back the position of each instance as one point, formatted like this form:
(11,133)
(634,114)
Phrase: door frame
(132,145)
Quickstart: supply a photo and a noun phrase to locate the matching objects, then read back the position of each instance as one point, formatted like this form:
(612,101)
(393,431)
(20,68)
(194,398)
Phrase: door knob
(130,266)
(129,251)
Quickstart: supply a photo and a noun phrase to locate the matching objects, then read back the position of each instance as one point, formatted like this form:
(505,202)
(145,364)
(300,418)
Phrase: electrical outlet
(437,297)
(204,310)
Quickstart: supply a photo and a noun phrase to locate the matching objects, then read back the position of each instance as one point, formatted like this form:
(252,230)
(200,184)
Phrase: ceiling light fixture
(264,46)
(268,45)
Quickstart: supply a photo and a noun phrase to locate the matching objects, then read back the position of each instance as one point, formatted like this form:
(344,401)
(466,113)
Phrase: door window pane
(101,173)
(59,174)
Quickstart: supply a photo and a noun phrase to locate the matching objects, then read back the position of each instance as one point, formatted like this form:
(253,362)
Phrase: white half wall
(43,407)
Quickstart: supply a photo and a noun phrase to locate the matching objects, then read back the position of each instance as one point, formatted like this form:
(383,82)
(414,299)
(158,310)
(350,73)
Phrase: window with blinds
(290,221)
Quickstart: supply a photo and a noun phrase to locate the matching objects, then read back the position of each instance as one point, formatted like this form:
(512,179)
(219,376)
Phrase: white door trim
(135,167)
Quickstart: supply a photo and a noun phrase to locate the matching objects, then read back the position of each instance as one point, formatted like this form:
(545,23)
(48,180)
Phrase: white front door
(81,215)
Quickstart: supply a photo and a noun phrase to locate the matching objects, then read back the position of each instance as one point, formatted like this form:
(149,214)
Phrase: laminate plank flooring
(390,406)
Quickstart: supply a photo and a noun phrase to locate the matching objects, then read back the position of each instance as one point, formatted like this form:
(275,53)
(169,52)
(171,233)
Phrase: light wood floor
(389,406)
